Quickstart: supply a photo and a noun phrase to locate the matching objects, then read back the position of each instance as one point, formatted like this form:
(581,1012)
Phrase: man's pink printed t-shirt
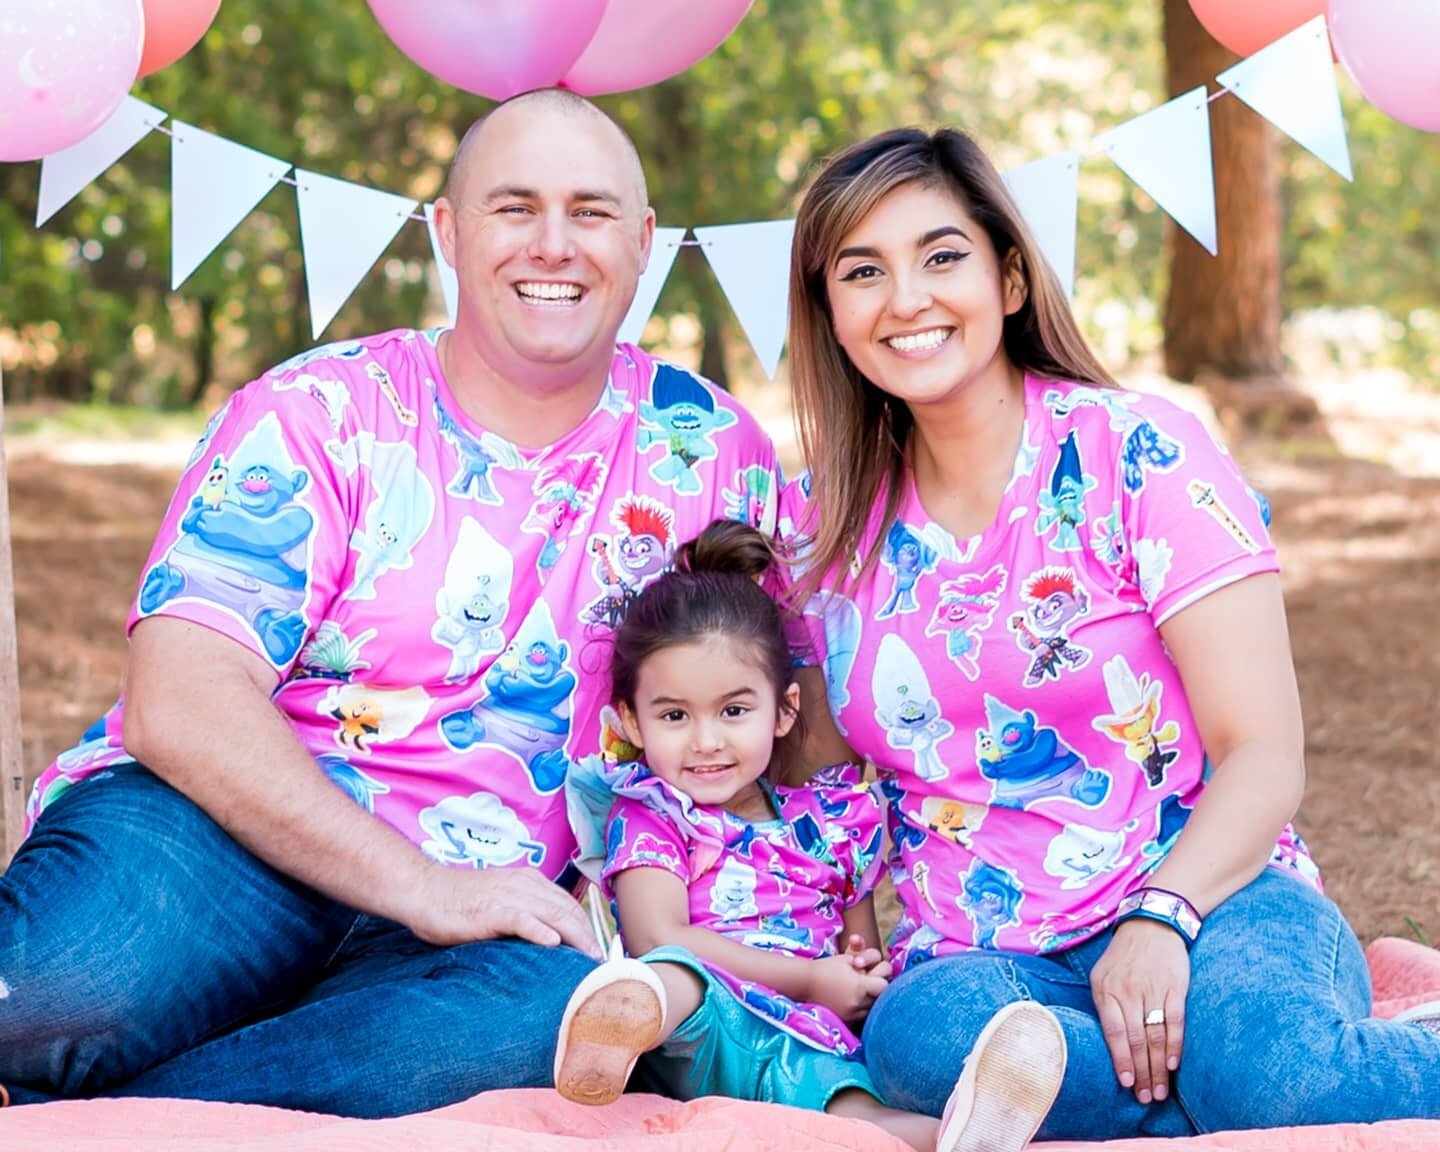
(436,602)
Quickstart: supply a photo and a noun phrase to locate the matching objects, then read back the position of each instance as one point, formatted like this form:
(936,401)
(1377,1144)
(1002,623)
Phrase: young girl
(749,901)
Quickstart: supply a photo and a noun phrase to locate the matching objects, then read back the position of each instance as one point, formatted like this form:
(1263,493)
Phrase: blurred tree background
(85,308)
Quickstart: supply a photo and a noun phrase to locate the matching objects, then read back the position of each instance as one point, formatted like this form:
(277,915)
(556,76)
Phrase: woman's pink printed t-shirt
(1031,732)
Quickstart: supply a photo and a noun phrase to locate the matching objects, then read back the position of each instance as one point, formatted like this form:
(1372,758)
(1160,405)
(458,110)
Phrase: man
(370,637)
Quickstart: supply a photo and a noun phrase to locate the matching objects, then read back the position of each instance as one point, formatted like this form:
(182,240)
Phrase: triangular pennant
(64,174)
(1167,152)
(214,183)
(752,263)
(663,250)
(449,282)
(343,229)
(1047,193)
(1292,84)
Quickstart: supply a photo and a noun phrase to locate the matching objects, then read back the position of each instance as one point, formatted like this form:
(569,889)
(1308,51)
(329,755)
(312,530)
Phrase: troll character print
(1063,506)
(641,548)
(1135,720)
(909,557)
(1054,599)
(683,418)
(565,493)
(966,609)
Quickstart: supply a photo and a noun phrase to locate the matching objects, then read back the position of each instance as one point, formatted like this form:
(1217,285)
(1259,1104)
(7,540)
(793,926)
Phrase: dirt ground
(1357,515)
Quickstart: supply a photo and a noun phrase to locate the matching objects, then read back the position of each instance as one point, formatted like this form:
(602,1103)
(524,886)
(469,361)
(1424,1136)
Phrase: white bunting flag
(343,229)
(1292,84)
(752,263)
(1048,194)
(663,250)
(449,282)
(214,184)
(1167,152)
(64,174)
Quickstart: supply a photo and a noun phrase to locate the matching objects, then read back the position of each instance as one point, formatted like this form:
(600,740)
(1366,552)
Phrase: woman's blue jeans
(144,953)
(1277,1028)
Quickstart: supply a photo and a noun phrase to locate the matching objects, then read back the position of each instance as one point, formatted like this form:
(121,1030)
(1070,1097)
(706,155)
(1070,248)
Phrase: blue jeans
(144,953)
(1277,1028)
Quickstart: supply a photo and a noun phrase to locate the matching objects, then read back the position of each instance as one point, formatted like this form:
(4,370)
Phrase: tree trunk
(204,353)
(1223,313)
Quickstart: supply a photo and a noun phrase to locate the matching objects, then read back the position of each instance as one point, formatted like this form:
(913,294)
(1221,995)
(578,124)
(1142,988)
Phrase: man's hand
(847,990)
(461,905)
(1144,972)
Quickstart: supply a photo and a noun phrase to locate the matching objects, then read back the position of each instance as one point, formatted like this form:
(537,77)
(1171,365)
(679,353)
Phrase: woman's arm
(1232,649)
(655,909)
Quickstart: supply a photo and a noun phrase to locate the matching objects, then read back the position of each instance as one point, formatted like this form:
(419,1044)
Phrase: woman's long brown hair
(854,435)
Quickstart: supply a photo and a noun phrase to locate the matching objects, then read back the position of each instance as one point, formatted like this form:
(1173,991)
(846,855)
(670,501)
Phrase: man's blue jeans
(1277,1028)
(144,953)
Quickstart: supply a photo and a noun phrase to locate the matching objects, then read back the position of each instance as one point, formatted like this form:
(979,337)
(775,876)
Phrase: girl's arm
(654,909)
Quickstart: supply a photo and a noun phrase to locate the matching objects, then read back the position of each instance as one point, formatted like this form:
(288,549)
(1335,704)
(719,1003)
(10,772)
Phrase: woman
(1048,611)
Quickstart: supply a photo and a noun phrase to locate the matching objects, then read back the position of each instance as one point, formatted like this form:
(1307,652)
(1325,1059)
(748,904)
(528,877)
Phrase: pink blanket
(539,1121)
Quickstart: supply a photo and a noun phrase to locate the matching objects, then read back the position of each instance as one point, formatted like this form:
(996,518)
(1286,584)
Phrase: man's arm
(198,714)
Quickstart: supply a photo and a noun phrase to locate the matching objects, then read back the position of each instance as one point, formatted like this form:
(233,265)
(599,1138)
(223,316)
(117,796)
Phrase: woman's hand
(1144,973)
(841,984)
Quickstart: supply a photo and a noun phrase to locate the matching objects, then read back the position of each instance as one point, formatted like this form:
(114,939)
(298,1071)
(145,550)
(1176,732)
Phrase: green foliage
(85,303)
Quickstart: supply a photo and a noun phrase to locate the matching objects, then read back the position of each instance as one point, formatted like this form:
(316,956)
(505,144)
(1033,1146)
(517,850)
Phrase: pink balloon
(1246,26)
(172,28)
(494,48)
(63,69)
(1391,48)
(642,42)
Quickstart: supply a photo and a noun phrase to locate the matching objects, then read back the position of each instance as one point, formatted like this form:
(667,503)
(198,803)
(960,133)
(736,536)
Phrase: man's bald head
(537,106)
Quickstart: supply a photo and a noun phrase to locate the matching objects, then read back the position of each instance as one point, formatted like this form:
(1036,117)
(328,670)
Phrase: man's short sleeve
(256,538)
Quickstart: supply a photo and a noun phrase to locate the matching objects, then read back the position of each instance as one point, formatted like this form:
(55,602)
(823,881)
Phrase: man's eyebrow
(581,195)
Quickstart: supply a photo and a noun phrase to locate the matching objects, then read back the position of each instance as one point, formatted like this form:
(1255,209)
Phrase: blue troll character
(361,788)
(991,897)
(1147,449)
(841,620)
(682,416)
(903,834)
(909,557)
(1063,507)
(478,456)
(811,838)
(1170,819)
(525,709)
(1030,765)
(750,499)
(243,543)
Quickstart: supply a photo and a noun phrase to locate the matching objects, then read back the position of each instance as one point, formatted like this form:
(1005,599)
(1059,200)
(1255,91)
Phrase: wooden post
(12,765)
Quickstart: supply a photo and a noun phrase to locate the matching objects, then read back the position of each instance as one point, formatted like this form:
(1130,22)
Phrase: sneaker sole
(603,1035)
(1011,1080)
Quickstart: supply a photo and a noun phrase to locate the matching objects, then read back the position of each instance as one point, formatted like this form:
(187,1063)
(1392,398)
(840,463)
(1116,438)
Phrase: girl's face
(707,718)
(919,296)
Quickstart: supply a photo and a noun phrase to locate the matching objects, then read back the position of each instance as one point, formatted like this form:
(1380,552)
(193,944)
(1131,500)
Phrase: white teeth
(919,341)
(544,291)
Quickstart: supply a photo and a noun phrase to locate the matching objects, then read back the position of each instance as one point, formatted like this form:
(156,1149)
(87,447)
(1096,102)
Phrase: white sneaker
(1008,1082)
(613,1018)
(1426,1015)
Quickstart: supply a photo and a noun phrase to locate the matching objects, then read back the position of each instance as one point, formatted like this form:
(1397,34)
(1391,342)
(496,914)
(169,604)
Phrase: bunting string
(346,227)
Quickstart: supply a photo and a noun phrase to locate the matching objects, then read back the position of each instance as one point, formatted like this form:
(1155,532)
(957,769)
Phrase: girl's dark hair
(714,590)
